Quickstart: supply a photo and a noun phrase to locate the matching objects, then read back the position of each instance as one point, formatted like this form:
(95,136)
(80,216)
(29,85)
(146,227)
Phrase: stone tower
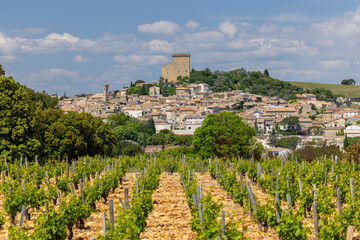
(106,93)
(180,66)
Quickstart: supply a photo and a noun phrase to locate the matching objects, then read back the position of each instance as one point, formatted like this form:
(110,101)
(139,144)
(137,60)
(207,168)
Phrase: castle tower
(106,93)
(180,66)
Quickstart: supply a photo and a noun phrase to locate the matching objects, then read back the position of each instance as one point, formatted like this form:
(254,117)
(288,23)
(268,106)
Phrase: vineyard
(168,197)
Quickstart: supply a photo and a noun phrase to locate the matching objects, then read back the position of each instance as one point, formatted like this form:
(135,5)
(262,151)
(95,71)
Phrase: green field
(337,89)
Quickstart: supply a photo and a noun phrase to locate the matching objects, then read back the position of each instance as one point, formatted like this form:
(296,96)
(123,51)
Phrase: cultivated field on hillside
(353,91)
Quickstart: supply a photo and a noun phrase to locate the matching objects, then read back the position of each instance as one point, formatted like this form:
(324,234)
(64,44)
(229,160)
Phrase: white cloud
(335,64)
(161,27)
(141,59)
(59,72)
(8,58)
(192,25)
(80,58)
(158,45)
(8,44)
(228,29)
(205,36)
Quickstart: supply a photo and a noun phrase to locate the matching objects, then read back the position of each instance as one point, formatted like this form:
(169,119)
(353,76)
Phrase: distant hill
(338,89)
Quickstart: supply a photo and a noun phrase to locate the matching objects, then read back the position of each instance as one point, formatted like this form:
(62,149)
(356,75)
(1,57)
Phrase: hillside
(353,91)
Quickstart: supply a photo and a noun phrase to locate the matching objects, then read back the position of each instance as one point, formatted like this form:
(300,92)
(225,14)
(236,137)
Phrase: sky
(74,47)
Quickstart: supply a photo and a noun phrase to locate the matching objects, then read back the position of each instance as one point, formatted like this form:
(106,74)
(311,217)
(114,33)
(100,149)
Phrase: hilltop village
(183,112)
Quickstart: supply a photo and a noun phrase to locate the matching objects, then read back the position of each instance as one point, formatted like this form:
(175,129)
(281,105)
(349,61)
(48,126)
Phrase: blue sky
(76,46)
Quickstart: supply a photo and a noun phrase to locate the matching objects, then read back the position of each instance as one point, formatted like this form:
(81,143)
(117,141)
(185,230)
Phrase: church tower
(106,93)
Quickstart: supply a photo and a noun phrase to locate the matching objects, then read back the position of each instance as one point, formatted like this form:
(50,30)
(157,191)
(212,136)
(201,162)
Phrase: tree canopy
(348,82)
(224,135)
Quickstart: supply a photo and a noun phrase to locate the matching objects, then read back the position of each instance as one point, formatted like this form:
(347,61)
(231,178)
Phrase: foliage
(241,79)
(323,94)
(273,138)
(16,122)
(348,82)
(222,135)
(288,142)
(353,151)
(314,150)
(2,71)
(291,120)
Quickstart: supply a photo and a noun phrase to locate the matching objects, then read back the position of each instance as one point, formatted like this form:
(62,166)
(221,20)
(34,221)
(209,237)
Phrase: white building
(352,131)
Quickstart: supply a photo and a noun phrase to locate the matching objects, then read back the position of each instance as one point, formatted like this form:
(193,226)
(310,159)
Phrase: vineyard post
(82,192)
(223,223)
(316,227)
(287,181)
(193,174)
(137,187)
(183,182)
(71,189)
(37,163)
(198,194)
(248,195)
(352,193)
(47,177)
(201,217)
(272,178)
(288,198)
(17,174)
(98,177)
(111,212)
(122,203)
(194,200)
(338,200)
(300,186)
(23,208)
(353,165)
(241,182)
(336,179)
(325,178)
(26,162)
(234,177)
(314,191)
(59,196)
(222,176)
(67,168)
(126,197)
(350,232)
(277,212)
(46,207)
(21,160)
(33,176)
(312,172)
(104,224)
(189,175)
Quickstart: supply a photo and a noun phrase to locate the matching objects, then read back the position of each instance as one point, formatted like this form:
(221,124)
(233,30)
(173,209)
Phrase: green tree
(16,122)
(273,138)
(224,135)
(290,142)
(348,82)
(266,73)
(2,71)
(116,120)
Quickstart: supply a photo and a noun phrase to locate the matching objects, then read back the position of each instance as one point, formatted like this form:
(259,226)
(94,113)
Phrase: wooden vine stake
(111,212)
(104,224)
(316,226)
(223,223)
(23,209)
(350,232)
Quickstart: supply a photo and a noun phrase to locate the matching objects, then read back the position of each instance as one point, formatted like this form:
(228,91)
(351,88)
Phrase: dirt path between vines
(94,223)
(234,210)
(171,216)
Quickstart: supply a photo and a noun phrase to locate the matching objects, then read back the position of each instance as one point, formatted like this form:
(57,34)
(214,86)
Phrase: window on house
(189,128)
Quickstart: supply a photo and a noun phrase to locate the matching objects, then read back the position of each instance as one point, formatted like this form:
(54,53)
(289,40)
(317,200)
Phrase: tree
(273,138)
(2,71)
(16,122)
(266,72)
(290,142)
(348,82)
(353,151)
(224,135)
